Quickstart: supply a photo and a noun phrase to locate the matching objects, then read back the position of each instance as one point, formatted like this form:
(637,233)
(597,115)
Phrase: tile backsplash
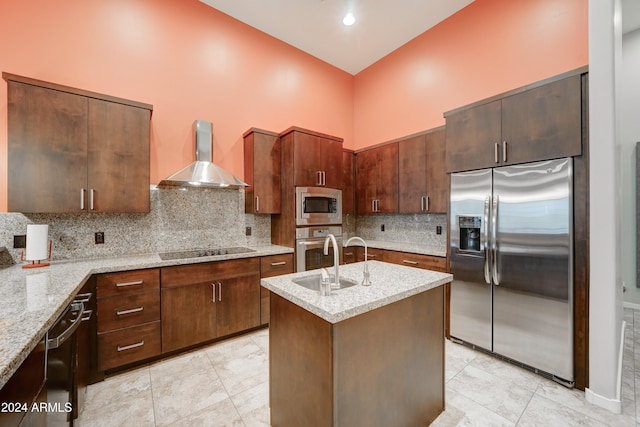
(191,218)
(179,219)
(406,228)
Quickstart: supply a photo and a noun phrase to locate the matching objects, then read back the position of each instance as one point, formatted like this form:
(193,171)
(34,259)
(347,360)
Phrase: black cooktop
(197,253)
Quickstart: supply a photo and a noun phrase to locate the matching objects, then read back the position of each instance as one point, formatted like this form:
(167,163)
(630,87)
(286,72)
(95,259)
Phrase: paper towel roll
(37,242)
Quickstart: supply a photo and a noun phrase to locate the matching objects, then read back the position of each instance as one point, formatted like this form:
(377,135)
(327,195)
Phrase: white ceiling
(315,26)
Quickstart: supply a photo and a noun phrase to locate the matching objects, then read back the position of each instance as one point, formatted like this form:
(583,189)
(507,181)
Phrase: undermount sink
(313,283)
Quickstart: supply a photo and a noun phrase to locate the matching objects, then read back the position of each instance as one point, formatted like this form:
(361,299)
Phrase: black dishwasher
(61,365)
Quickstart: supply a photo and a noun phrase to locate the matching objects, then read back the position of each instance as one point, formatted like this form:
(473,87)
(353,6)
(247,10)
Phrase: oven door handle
(75,322)
(313,243)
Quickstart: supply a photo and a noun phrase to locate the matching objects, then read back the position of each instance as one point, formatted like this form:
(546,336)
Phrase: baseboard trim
(613,405)
(631,305)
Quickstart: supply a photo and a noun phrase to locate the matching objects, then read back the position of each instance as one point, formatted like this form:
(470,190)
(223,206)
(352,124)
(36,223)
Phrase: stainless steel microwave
(318,205)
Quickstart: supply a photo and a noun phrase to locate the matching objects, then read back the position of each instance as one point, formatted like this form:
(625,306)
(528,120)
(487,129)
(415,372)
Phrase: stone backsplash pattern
(409,228)
(179,219)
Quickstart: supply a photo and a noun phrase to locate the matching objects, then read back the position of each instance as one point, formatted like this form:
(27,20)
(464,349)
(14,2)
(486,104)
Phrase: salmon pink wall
(186,59)
(489,47)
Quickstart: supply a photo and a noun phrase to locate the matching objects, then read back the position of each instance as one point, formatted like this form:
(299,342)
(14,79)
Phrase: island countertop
(390,283)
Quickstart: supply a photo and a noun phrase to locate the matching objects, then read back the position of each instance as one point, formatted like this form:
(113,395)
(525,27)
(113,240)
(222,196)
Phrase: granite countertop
(32,299)
(390,283)
(403,247)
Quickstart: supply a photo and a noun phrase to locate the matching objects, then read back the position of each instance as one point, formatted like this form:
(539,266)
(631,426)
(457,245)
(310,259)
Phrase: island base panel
(381,368)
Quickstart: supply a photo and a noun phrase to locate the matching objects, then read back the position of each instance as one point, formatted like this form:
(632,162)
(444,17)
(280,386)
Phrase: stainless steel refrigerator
(512,263)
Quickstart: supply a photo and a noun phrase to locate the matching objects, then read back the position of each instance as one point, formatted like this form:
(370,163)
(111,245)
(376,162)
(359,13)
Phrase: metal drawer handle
(220,291)
(276,264)
(213,293)
(129,311)
(85,298)
(406,261)
(371,255)
(87,316)
(91,199)
(82,190)
(348,253)
(131,346)
(123,284)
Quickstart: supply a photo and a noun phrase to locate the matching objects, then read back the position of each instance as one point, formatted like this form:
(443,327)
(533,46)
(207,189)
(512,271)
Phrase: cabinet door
(387,178)
(331,163)
(118,157)
(366,170)
(188,315)
(436,173)
(412,175)
(238,304)
(471,137)
(543,123)
(317,161)
(307,157)
(47,150)
(262,173)
(348,181)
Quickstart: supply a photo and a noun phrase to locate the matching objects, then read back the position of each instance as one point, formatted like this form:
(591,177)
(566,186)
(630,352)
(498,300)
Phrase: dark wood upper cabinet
(348,181)
(118,157)
(541,121)
(72,151)
(262,171)
(317,158)
(377,180)
(422,178)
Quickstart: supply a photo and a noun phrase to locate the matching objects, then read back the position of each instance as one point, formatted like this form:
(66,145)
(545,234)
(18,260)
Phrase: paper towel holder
(39,262)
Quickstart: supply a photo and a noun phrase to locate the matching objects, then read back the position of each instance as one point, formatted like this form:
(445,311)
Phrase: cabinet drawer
(127,282)
(128,310)
(198,273)
(427,262)
(276,265)
(128,345)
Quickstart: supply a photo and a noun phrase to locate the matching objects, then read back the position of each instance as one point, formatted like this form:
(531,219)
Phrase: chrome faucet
(336,253)
(365,281)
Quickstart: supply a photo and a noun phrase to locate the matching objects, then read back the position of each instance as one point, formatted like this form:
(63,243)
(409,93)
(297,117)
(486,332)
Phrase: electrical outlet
(382,227)
(99,237)
(438,229)
(20,241)
(247,231)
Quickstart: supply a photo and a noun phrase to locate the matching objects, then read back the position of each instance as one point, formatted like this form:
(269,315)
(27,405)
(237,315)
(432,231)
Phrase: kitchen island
(369,356)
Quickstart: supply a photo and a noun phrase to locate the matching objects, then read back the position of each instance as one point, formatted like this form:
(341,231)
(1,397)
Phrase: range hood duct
(203,172)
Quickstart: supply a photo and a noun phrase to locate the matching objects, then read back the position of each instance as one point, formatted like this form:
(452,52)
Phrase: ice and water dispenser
(469,232)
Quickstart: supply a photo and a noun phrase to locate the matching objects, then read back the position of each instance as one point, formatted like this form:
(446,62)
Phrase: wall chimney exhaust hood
(203,172)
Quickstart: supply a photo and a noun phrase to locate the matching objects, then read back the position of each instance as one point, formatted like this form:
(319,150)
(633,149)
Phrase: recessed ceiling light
(348,19)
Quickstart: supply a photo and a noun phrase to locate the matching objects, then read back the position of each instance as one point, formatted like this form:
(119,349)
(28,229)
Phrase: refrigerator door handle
(494,241)
(487,271)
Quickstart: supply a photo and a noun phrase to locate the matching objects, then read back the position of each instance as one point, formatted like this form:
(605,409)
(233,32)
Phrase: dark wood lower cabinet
(239,304)
(201,302)
(188,315)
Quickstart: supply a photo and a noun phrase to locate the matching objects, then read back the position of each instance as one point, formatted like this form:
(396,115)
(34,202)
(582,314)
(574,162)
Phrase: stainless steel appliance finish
(310,247)
(197,253)
(512,263)
(203,172)
(318,205)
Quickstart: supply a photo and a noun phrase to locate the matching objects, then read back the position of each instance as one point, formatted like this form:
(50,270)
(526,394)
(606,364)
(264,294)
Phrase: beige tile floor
(226,384)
